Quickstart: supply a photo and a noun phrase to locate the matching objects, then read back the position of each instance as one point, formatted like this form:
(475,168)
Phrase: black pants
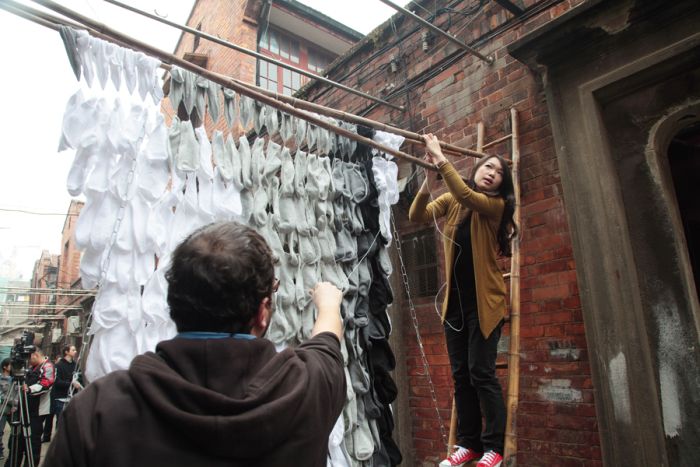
(36,424)
(477,390)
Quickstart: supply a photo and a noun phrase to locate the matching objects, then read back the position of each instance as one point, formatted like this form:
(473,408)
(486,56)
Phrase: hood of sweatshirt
(214,390)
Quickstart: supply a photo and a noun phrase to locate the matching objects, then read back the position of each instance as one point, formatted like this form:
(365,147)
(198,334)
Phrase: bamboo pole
(511,439)
(227,82)
(409,135)
(50,21)
(257,55)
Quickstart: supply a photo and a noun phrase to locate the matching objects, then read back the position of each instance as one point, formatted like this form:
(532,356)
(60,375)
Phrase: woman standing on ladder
(479,226)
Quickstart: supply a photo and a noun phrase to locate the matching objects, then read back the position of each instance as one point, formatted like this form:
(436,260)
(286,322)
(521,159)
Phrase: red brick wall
(69,260)
(224,19)
(556,423)
(40,277)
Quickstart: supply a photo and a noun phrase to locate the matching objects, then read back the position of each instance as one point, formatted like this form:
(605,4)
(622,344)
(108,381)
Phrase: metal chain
(87,338)
(414,318)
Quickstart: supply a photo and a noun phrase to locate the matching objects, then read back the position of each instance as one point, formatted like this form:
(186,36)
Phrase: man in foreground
(218,393)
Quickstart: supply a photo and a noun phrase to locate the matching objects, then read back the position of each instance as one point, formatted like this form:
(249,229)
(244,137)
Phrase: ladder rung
(506,275)
(501,365)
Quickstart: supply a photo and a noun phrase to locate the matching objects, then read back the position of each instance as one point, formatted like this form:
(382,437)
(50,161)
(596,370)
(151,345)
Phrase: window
(291,82)
(289,49)
(268,76)
(420,257)
(318,60)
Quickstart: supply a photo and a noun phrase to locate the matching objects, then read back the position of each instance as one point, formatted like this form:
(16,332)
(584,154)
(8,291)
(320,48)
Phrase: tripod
(19,423)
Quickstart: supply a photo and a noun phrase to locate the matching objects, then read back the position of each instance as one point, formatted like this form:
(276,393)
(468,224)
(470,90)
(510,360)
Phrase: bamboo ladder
(513,361)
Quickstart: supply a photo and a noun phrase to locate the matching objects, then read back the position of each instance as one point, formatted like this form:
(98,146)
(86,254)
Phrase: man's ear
(261,320)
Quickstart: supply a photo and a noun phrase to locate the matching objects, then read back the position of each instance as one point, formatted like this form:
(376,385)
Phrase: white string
(459,253)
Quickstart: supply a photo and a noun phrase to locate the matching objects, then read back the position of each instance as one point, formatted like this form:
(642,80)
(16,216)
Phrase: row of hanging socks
(317,241)
(198,96)
(91,57)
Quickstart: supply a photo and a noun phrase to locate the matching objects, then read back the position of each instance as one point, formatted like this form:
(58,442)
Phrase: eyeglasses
(275,285)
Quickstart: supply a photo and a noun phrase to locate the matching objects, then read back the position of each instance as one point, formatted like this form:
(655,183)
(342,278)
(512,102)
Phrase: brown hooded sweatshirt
(213,402)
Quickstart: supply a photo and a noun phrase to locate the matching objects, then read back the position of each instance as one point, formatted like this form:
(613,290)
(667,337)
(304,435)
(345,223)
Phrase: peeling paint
(619,388)
(565,350)
(560,390)
(570,354)
(671,355)
(614,22)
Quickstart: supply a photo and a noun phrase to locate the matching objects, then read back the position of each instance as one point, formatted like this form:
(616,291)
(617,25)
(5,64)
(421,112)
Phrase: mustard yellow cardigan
(486,217)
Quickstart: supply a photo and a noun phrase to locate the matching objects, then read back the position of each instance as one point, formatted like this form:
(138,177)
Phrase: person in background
(38,382)
(5,385)
(218,394)
(479,226)
(65,367)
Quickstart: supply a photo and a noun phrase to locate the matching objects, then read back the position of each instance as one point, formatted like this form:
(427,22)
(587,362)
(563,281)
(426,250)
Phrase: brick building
(607,97)
(44,276)
(285,30)
(608,102)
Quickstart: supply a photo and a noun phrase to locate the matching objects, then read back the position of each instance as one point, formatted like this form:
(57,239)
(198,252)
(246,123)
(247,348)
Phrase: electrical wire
(24,211)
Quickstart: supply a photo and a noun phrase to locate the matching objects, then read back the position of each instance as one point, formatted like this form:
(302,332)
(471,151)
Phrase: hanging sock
(146,74)
(189,93)
(247,110)
(313,169)
(69,37)
(115,58)
(177,87)
(273,193)
(259,111)
(200,97)
(286,128)
(273,163)
(97,54)
(82,41)
(271,120)
(129,69)
(235,158)
(230,107)
(311,137)
(221,157)
(244,151)
(300,134)
(260,202)
(257,161)
(213,102)
(300,172)
(186,155)
(287,174)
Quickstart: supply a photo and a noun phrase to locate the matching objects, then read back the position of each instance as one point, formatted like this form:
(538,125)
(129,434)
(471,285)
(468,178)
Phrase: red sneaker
(490,459)
(460,457)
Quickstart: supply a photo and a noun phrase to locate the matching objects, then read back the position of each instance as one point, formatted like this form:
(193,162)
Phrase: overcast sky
(35,84)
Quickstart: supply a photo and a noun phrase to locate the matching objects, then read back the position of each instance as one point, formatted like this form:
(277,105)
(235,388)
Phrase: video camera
(23,349)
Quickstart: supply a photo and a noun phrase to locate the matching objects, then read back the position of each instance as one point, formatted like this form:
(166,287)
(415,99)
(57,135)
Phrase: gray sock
(271,120)
(200,102)
(230,108)
(300,133)
(257,161)
(287,174)
(300,172)
(235,157)
(259,117)
(244,152)
(286,128)
(213,102)
(272,162)
(247,110)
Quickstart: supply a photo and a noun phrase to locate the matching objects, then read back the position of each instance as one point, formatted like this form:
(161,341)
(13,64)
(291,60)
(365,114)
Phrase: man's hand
(327,298)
